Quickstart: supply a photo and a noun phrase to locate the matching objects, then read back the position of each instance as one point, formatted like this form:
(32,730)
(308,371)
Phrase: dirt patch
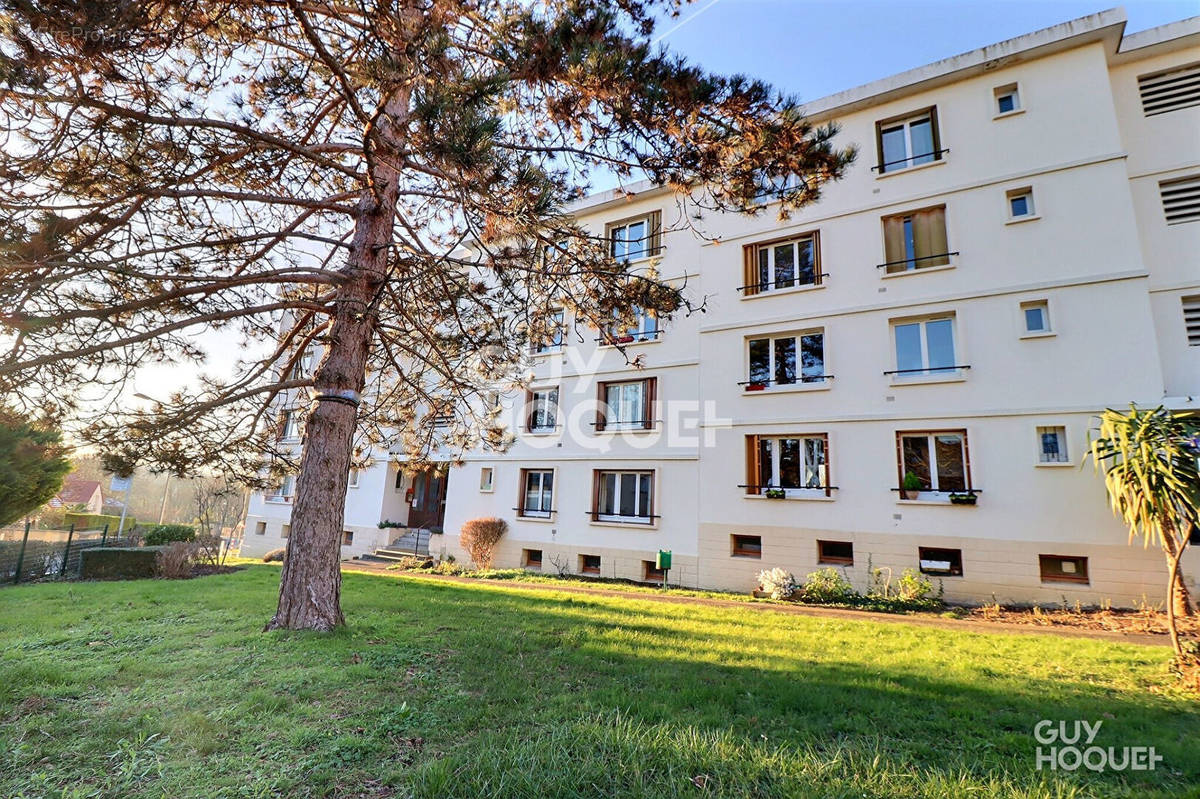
(205,569)
(1144,621)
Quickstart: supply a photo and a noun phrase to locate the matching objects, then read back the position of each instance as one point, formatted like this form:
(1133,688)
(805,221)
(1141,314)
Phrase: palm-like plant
(1151,465)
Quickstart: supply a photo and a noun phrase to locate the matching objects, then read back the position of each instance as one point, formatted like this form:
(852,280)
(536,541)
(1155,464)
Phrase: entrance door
(429,499)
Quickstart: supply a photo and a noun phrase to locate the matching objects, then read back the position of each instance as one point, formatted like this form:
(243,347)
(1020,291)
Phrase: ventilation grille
(1191,319)
(1170,91)
(1181,200)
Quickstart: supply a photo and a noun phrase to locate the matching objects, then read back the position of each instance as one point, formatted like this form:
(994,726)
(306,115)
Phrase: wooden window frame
(527,560)
(585,569)
(927,553)
(1080,578)
(347,538)
(834,560)
(649,405)
(754,486)
(738,549)
(653,238)
(753,286)
(906,120)
(652,574)
(966,446)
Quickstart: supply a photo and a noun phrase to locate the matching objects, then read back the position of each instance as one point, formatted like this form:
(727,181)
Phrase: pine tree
(32,465)
(392,179)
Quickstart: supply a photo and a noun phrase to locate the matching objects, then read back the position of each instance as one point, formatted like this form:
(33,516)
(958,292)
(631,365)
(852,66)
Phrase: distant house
(79,492)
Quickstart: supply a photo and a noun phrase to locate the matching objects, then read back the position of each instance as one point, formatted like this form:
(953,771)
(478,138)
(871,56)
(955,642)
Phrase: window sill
(548,353)
(1066,582)
(1016,220)
(926,380)
(623,524)
(1039,334)
(487,491)
(818,495)
(932,501)
(1007,114)
(542,433)
(777,292)
(919,271)
(824,385)
(610,430)
(1054,465)
(278,500)
(745,556)
(839,563)
(547,519)
(904,170)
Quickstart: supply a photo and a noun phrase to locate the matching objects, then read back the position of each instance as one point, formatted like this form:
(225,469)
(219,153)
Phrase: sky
(813,48)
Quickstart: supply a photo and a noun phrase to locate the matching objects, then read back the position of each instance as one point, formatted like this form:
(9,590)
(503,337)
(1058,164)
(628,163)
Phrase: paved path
(920,620)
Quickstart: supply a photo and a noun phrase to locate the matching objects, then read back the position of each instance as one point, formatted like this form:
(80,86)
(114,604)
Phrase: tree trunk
(1182,600)
(311,583)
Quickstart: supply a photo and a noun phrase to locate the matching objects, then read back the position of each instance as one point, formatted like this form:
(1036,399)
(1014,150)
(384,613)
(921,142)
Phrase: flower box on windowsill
(775,493)
(964,498)
(622,340)
(756,386)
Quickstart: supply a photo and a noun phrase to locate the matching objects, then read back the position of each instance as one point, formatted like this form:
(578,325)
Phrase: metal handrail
(818,279)
(797,488)
(526,512)
(943,490)
(928,369)
(920,258)
(935,153)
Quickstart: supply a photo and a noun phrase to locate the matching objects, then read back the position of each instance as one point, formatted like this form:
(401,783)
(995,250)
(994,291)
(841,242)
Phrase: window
(1036,316)
(553,342)
(643,328)
(781,264)
(908,140)
(352,479)
(303,365)
(1171,90)
(1052,445)
(1191,320)
(1063,569)
(486,474)
(542,408)
(1008,99)
(915,240)
(793,463)
(747,546)
(347,538)
(626,405)
(651,573)
(292,426)
(260,528)
(284,491)
(285,531)
(589,564)
(636,238)
(840,553)
(938,458)
(621,496)
(537,493)
(947,562)
(1181,199)
(1020,204)
(531,558)
(441,419)
(773,361)
(399,482)
(924,347)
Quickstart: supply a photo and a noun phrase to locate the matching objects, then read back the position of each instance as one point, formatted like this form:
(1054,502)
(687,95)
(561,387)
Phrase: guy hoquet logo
(1070,745)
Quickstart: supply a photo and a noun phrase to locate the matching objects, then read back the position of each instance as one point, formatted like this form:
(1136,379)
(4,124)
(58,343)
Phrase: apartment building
(899,376)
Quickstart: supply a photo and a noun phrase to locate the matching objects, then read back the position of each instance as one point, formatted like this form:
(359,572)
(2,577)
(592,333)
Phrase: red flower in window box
(755,386)
(623,340)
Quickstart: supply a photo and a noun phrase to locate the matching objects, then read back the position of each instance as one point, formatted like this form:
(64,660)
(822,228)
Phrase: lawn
(169,689)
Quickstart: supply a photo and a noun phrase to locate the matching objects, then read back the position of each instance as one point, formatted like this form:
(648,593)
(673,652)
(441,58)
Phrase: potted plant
(624,339)
(963,498)
(775,493)
(910,488)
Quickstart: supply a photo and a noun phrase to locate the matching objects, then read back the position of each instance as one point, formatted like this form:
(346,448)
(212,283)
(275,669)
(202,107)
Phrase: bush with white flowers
(777,583)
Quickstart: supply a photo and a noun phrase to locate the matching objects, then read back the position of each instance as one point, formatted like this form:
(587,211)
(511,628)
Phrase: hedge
(117,563)
(169,533)
(96,521)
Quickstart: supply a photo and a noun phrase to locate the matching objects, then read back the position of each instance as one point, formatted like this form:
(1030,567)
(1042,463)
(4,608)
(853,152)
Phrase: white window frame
(558,341)
(887,168)
(646,239)
(1064,450)
(487,479)
(638,517)
(549,410)
(798,339)
(1007,90)
(545,495)
(293,425)
(645,329)
(805,466)
(1048,324)
(612,420)
(352,478)
(931,436)
(284,492)
(926,372)
(1030,207)
(303,366)
(769,248)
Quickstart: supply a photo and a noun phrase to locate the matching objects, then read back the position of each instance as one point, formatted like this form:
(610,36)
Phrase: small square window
(589,564)
(1036,316)
(531,558)
(1063,569)
(260,528)
(651,573)
(747,546)
(1052,445)
(947,562)
(1008,99)
(285,531)
(837,552)
(1020,203)
(485,478)
(347,538)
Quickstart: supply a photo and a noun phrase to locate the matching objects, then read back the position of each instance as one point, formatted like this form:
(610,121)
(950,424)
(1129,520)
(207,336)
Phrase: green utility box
(663,560)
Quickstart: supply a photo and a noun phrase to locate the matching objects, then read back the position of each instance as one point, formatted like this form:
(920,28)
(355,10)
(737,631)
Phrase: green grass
(169,689)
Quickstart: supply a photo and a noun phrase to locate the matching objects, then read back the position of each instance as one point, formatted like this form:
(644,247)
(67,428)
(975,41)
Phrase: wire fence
(27,553)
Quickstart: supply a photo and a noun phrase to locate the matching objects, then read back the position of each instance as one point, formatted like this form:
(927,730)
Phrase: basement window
(347,538)
(651,573)
(1063,569)
(589,564)
(531,558)
(747,546)
(260,528)
(946,562)
(840,553)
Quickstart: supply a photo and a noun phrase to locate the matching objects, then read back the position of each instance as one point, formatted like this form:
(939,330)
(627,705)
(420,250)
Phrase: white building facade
(899,376)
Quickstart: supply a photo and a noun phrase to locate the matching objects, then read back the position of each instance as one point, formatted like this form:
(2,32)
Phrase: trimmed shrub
(174,561)
(777,583)
(828,587)
(479,538)
(275,555)
(161,534)
(117,563)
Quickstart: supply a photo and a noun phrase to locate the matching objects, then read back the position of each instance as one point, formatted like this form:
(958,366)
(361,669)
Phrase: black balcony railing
(937,156)
(615,339)
(886,264)
(804,379)
(787,284)
(928,369)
